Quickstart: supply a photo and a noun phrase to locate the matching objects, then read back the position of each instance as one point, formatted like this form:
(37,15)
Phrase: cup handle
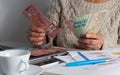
(26,66)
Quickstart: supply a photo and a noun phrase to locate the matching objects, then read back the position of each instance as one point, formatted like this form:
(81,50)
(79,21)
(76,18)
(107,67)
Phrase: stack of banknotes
(90,23)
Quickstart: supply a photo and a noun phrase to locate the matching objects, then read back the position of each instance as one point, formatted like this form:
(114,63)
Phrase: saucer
(33,70)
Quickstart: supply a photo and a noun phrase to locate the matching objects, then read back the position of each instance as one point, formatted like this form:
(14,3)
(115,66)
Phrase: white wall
(13,24)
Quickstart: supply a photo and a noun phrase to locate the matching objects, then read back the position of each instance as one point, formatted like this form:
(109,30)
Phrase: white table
(61,69)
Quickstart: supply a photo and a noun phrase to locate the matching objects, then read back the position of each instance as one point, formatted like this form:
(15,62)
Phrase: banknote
(80,25)
(37,18)
(95,22)
(43,52)
(89,23)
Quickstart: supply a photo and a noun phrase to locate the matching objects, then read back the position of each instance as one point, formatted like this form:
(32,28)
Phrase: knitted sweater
(69,9)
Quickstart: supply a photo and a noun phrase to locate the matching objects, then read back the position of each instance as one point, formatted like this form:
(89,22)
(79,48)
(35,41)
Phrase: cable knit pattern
(70,9)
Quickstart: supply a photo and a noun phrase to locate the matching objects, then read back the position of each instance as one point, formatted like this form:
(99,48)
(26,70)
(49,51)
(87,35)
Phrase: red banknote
(37,18)
(42,52)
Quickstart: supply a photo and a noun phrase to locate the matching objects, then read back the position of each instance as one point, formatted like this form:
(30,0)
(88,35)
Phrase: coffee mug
(14,62)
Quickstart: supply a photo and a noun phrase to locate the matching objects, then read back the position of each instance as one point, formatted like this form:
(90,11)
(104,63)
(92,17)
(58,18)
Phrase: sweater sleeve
(119,27)
(111,30)
(54,12)
(53,15)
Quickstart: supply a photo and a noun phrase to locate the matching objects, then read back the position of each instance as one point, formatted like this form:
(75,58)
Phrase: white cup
(14,62)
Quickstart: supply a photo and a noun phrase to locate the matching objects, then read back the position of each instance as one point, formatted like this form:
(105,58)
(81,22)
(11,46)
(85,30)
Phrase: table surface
(61,69)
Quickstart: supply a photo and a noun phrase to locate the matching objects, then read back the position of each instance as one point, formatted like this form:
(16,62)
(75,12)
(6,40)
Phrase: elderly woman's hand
(36,35)
(91,41)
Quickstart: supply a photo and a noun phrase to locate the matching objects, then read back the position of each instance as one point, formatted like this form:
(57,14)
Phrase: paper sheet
(112,60)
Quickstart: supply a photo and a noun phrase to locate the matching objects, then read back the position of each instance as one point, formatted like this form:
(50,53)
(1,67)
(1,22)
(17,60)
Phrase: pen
(83,56)
(87,62)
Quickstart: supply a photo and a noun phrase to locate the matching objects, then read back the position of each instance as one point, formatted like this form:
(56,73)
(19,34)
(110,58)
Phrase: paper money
(90,23)
(95,22)
(80,25)
(43,52)
(37,18)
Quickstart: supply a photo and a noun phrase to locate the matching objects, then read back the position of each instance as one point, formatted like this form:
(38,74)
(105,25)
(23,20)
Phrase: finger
(37,43)
(89,47)
(94,36)
(82,46)
(33,39)
(34,34)
(89,41)
(37,29)
(93,47)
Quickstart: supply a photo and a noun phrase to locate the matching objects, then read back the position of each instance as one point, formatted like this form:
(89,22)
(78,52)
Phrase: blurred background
(13,24)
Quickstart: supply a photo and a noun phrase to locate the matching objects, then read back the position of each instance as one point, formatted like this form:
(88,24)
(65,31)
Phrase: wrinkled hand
(91,41)
(36,35)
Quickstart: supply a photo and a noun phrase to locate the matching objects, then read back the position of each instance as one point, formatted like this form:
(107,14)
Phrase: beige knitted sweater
(67,9)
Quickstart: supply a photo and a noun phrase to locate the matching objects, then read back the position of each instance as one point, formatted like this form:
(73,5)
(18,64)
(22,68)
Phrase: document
(112,57)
